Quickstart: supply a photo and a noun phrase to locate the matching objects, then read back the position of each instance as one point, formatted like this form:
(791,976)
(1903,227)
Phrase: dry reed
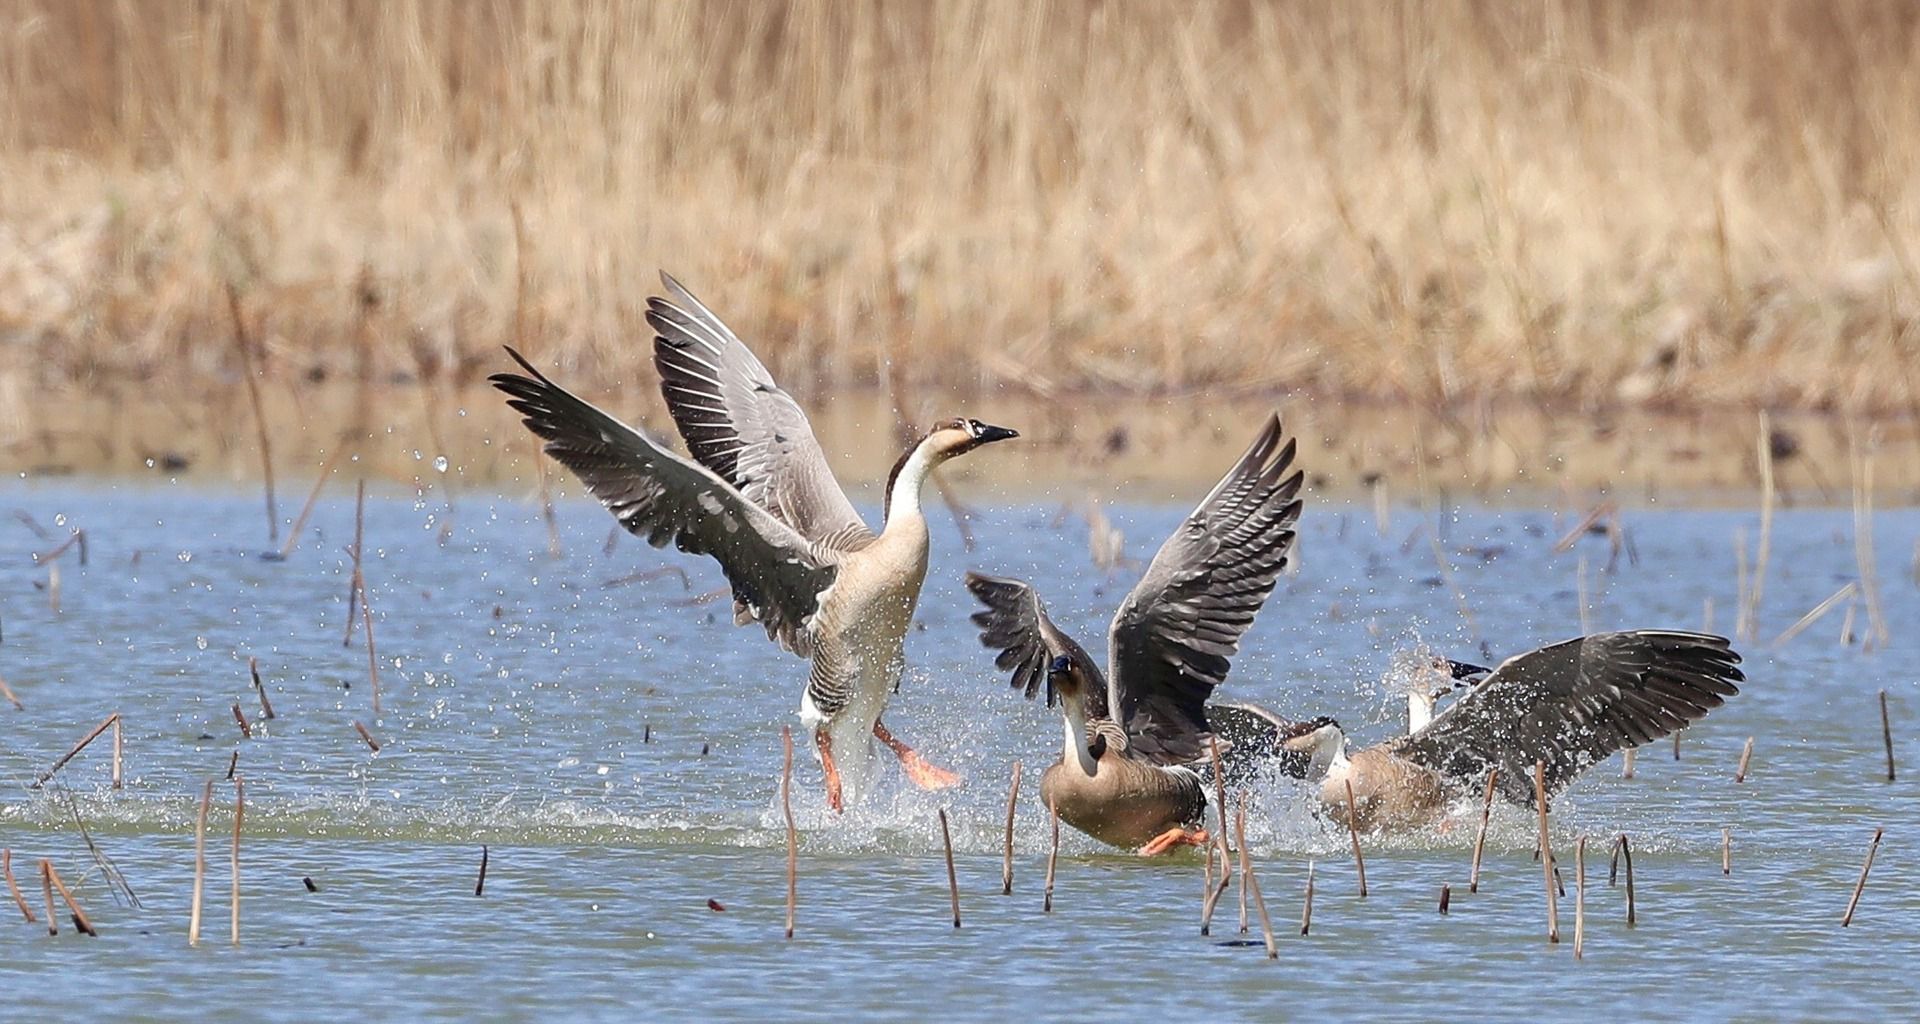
(239,815)
(953,881)
(1306,908)
(1446,898)
(1053,854)
(1726,851)
(1378,220)
(480,881)
(355,582)
(1579,898)
(1746,757)
(1251,883)
(105,724)
(1626,857)
(1546,851)
(372,744)
(46,888)
(7,692)
(793,836)
(1220,840)
(1480,837)
(260,688)
(118,750)
(1006,863)
(1861,886)
(1353,833)
(1815,613)
(306,509)
(1626,761)
(239,716)
(6,868)
(199,865)
(1886,733)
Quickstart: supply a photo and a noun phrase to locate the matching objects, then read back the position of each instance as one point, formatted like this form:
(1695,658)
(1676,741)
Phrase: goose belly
(1121,804)
(1388,793)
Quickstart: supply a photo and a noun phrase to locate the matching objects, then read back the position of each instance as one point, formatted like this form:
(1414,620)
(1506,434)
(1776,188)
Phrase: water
(516,691)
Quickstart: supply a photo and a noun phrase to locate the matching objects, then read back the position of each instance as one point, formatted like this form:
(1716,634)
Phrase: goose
(1567,705)
(759,497)
(1127,775)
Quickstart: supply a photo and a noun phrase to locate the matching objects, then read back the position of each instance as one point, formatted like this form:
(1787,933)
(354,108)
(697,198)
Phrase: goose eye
(973,427)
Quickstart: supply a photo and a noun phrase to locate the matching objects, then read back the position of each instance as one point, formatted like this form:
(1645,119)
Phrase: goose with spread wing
(1566,706)
(1126,775)
(759,497)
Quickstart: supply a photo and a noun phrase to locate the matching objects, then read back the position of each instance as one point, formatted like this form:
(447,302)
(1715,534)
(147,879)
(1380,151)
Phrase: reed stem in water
(1579,897)
(1306,909)
(1480,839)
(1861,886)
(199,865)
(266,706)
(1886,733)
(1006,862)
(239,814)
(480,883)
(46,887)
(1053,854)
(1746,756)
(1353,833)
(793,838)
(105,724)
(1546,851)
(953,881)
(6,868)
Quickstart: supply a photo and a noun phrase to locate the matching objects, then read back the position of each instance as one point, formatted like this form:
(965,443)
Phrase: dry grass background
(1608,202)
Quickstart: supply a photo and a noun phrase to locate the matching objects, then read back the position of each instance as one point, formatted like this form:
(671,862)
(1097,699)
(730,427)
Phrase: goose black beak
(1465,671)
(990,433)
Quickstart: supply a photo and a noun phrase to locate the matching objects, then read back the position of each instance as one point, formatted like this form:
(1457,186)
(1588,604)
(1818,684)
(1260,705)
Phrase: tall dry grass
(1606,201)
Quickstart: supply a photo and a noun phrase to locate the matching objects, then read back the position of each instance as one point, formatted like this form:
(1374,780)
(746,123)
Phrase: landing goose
(1568,705)
(1126,775)
(762,501)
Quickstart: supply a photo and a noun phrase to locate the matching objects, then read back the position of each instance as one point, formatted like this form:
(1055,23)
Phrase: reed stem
(354,581)
(1886,733)
(1546,851)
(118,749)
(6,868)
(480,882)
(1306,909)
(1746,756)
(372,744)
(1726,851)
(199,865)
(104,725)
(1006,863)
(1480,839)
(953,881)
(1252,883)
(1579,897)
(1240,839)
(1626,857)
(793,837)
(1353,833)
(246,730)
(1861,886)
(1446,897)
(239,814)
(46,887)
(266,706)
(1053,854)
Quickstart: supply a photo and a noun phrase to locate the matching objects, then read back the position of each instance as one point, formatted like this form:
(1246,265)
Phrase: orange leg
(923,774)
(833,771)
(1166,841)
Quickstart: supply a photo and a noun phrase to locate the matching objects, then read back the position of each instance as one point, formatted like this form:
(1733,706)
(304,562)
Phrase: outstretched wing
(775,574)
(1016,624)
(740,424)
(1574,703)
(1174,633)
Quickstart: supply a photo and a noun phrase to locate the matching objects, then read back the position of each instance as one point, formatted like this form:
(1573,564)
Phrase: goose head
(1068,678)
(1440,676)
(948,439)
(1319,741)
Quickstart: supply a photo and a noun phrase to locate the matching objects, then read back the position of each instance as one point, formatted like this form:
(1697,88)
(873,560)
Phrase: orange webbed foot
(1166,841)
(922,772)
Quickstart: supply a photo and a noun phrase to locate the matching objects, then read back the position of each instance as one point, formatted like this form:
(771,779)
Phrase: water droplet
(200,642)
(186,556)
(60,519)
(440,463)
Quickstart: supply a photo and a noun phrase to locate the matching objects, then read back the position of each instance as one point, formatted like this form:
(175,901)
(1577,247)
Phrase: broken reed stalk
(266,706)
(1240,839)
(46,886)
(359,537)
(1546,851)
(1886,733)
(245,345)
(1480,839)
(233,764)
(1626,762)
(1579,897)
(199,865)
(793,838)
(953,882)
(1446,897)
(1815,613)
(1353,833)
(1226,855)
(1861,886)
(1676,743)
(1252,884)
(1006,863)
(6,868)
(313,497)
(1306,909)
(480,883)
(1726,851)
(373,663)
(7,692)
(372,744)
(246,730)
(239,813)
(118,749)
(1746,756)
(1053,854)
(1626,857)
(77,748)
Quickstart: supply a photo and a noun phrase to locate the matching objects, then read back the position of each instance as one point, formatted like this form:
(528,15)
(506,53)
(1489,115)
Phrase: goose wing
(1573,703)
(775,574)
(738,423)
(1015,623)
(1171,638)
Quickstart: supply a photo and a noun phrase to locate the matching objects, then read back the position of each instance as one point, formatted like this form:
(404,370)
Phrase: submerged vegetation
(1654,202)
